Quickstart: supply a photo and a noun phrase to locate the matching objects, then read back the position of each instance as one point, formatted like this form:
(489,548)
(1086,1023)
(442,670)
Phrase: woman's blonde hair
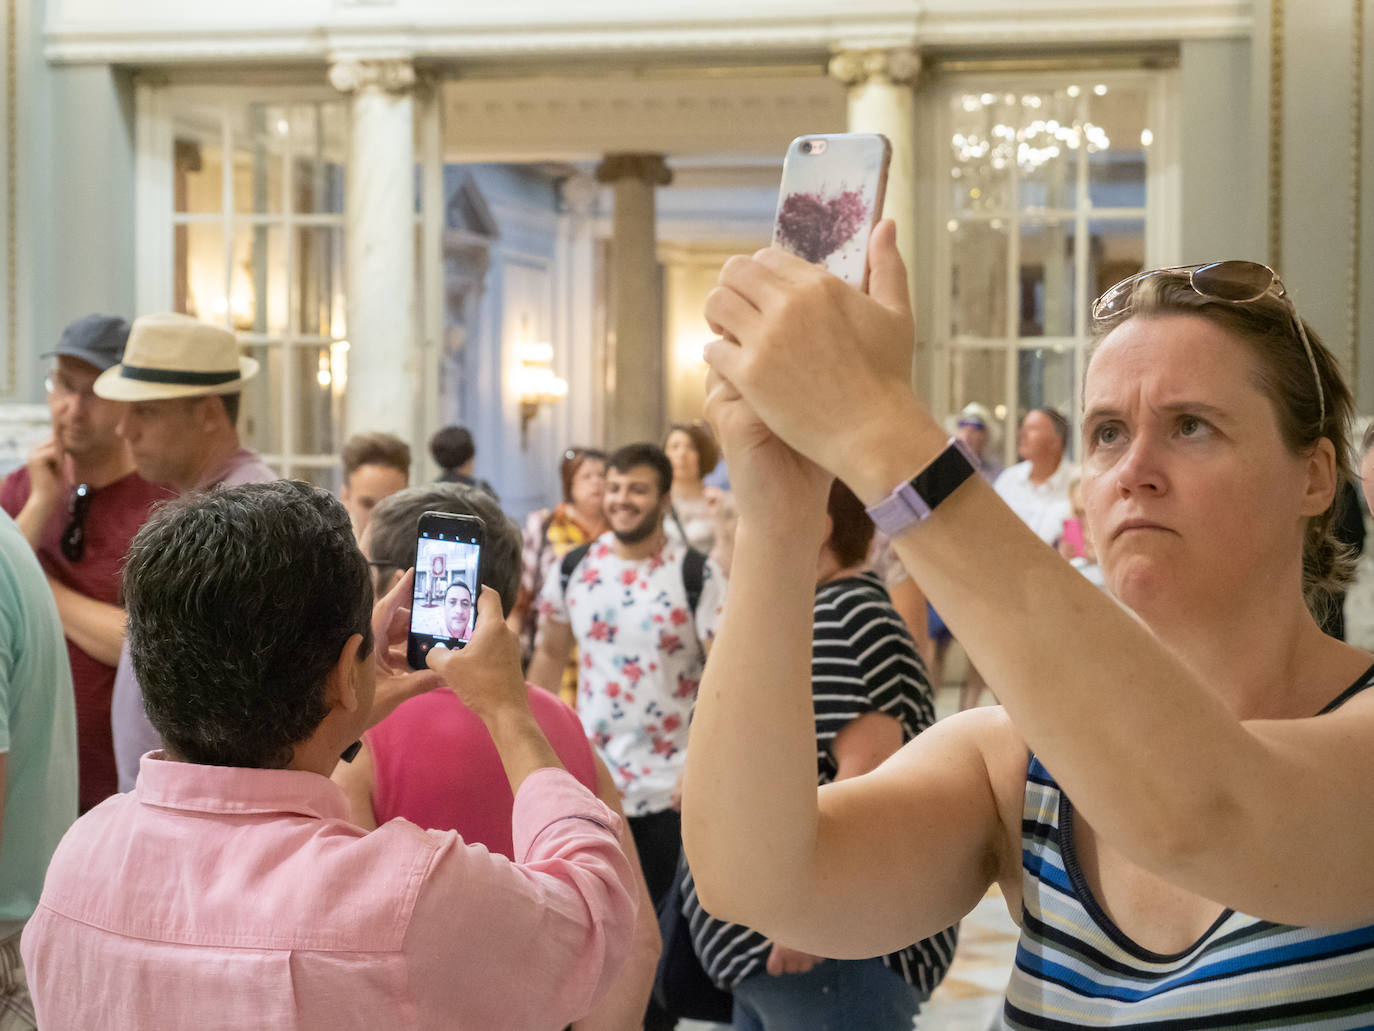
(1284,375)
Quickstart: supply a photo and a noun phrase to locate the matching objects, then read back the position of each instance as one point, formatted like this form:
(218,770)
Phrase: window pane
(258,159)
(1046,278)
(1047,378)
(980,374)
(197,160)
(1047,141)
(1117,137)
(319,281)
(260,406)
(319,399)
(199,285)
(978,278)
(1117,251)
(319,143)
(258,285)
(982,150)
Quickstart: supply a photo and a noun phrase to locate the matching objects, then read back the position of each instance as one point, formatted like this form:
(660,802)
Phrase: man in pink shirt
(432,761)
(229,890)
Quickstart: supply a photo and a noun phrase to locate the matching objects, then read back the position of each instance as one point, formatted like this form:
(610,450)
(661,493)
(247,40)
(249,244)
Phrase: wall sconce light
(536,383)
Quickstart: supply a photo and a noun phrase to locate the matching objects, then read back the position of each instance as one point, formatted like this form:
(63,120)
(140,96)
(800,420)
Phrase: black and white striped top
(863,660)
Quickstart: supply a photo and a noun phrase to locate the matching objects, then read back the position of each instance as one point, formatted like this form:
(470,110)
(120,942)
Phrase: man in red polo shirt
(79,502)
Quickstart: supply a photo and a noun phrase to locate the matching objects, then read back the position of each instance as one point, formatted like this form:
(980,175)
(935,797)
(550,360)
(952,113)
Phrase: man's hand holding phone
(486,676)
(486,673)
(396,681)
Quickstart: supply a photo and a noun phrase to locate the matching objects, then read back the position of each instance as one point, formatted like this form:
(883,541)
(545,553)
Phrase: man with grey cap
(78,502)
(180,379)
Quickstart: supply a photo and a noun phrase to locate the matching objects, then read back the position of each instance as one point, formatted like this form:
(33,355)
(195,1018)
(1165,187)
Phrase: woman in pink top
(433,762)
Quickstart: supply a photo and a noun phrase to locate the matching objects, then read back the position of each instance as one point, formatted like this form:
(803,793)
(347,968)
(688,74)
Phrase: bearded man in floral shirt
(642,612)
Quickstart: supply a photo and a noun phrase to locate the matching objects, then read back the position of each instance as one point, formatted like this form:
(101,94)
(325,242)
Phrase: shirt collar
(237,790)
(221,472)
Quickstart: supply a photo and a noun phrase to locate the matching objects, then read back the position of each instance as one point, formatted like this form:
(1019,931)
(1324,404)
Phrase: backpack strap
(570,562)
(693,577)
(677,521)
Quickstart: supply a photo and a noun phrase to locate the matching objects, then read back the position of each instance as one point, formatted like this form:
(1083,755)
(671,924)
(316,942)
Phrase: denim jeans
(834,995)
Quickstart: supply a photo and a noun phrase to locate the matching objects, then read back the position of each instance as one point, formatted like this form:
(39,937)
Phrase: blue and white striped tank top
(1076,969)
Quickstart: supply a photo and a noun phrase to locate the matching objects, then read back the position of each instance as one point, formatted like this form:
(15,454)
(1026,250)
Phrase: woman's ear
(1321,478)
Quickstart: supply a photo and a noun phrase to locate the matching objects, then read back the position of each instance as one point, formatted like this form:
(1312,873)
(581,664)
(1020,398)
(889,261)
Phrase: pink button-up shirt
(216,898)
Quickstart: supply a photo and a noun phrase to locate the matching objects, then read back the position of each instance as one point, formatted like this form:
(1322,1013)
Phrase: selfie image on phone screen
(830,199)
(448,553)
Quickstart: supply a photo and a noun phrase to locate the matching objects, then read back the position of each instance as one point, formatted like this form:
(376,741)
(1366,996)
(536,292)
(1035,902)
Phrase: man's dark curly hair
(240,601)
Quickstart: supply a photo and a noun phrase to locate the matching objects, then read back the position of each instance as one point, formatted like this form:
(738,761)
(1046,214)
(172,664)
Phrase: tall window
(1045,201)
(258,246)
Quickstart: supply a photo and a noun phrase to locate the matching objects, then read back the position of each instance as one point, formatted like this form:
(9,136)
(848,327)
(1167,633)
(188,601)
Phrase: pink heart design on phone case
(814,227)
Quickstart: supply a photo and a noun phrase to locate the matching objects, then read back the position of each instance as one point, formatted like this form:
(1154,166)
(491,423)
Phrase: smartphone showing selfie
(448,564)
(831,198)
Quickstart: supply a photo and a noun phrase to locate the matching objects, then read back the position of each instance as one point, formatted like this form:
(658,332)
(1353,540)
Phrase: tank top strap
(1365,680)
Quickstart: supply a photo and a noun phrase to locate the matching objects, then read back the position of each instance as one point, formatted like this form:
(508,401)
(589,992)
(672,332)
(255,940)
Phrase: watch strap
(914,499)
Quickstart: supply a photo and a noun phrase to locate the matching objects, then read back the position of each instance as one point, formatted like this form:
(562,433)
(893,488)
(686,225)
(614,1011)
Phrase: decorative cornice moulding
(431,30)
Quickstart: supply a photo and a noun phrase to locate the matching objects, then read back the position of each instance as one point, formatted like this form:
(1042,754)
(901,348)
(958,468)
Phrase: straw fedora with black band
(171,356)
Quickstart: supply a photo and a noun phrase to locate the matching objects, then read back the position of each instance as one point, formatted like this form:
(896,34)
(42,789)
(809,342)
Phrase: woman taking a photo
(1174,795)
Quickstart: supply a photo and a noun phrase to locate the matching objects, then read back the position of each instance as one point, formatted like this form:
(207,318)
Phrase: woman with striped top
(1174,795)
(871,695)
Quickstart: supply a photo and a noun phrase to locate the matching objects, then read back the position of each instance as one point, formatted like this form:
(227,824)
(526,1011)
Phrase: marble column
(635,388)
(383,317)
(881,99)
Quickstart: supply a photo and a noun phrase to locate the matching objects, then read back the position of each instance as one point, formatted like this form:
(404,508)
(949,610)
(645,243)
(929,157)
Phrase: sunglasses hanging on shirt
(74,536)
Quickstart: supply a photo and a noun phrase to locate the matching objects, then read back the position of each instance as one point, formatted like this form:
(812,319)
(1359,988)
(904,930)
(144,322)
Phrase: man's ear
(341,686)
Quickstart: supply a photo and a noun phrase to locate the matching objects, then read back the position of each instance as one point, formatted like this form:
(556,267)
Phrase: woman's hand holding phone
(826,367)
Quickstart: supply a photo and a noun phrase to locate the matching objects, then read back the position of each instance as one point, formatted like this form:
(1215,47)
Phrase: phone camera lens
(806,147)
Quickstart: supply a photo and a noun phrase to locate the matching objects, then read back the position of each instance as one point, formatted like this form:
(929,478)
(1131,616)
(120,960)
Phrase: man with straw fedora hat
(181,378)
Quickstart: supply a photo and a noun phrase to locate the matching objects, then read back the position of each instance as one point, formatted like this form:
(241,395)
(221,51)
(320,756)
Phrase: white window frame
(156,220)
(1161,215)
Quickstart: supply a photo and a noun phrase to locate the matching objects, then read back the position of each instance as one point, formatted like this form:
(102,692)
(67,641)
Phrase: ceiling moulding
(483,33)
(580,119)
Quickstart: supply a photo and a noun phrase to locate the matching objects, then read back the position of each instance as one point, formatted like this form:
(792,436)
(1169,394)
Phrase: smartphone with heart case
(831,198)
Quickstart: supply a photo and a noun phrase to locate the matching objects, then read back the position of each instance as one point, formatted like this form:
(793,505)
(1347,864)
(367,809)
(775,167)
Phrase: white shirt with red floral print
(641,655)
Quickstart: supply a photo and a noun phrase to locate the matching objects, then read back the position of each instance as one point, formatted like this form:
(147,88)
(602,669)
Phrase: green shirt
(37,726)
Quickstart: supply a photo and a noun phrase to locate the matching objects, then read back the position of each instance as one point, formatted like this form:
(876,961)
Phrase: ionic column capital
(897,65)
(650,169)
(391,75)
(577,194)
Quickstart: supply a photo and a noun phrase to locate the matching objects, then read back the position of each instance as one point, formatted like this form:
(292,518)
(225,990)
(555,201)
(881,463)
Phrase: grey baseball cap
(97,339)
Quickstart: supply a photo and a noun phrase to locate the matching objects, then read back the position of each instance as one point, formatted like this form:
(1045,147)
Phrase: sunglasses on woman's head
(1230,282)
